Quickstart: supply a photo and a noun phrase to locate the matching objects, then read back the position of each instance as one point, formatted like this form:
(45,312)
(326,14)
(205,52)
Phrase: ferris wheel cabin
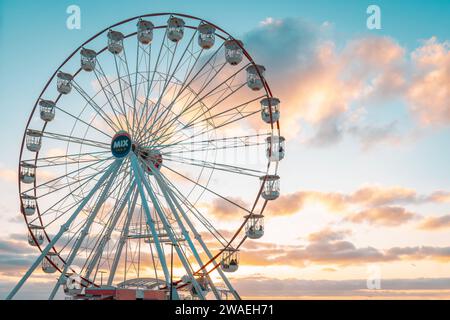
(48,264)
(254,80)
(115,41)
(33,140)
(268,105)
(28,204)
(230,260)
(271,189)
(145,31)
(254,228)
(47,110)
(233,52)
(175,29)
(27,172)
(206,36)
(88,59)
(36,236)
(64,83)
(275,148)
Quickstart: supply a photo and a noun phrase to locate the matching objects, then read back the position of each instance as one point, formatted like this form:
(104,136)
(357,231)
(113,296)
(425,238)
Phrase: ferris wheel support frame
(64,228)
(105,239)
(165,191)
(123,236)
(82,236)
(139,172)
(151,224)
(199,239)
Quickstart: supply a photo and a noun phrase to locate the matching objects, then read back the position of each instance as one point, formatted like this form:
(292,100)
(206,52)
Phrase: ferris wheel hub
(121,144)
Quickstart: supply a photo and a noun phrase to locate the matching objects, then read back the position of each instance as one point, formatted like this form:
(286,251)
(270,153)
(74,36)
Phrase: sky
(366,113)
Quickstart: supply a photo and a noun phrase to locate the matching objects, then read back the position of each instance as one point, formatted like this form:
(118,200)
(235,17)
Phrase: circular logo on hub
(121,144)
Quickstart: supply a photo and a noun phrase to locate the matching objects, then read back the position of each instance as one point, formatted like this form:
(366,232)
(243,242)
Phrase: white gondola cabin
(268,104)
(115,41)
(254,228)
(88,59)
(233,51)
(175,29)
(64,83)
(28,204)
(206,36)
(230,260)
(145,31)
(36,236)
(73,284)
(271,189)
(34,140)
(254,80)
(47,110)
(275,148)
(49,262)
(27,172)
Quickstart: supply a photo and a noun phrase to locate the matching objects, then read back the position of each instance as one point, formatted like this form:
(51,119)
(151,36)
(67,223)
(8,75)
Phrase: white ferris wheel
(137,131)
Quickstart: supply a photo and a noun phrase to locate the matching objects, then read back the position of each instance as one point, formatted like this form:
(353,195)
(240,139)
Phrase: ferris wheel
(140,134)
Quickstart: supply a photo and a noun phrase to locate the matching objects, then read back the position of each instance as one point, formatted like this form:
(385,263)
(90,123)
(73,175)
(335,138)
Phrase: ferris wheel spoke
(121,91)
(208,189)
(109,94)
(218,101)
(227,122)
(216,166)
(187,85)
(166,126)
(76,202)
(238,109)
(165,138)
(67,158)
(148,89)
(90,101)
(63,200)
(84,122)
(73,139)
(150,81)
(165,112)
(59,178)
(232,142)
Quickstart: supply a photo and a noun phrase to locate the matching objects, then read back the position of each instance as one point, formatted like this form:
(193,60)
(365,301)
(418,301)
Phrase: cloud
(330,248)
(321,83)
(382,216)
(429,92)
(435,223)
(328,234)
(8,175)
(258,286)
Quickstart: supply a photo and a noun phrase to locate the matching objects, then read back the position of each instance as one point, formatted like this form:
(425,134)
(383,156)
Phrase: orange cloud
(8,175)
(429,92)
(384,216)
(435,223)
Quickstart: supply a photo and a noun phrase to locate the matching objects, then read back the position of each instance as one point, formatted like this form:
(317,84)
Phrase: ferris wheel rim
(228,36)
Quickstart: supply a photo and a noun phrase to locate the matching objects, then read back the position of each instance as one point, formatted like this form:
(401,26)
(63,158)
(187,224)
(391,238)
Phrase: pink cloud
(429,92)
